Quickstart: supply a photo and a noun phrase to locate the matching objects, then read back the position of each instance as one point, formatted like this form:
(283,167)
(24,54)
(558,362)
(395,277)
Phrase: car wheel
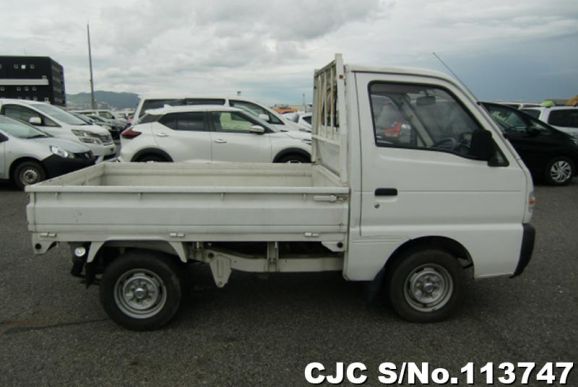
(152,159)
(425,285)
(294,159)
(141,290)
(27,173)
(559,171)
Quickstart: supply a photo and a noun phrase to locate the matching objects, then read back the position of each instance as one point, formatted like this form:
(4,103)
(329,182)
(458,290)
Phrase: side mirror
(256,129)
(482,146)
(3,138)
(35,121)
(264,117)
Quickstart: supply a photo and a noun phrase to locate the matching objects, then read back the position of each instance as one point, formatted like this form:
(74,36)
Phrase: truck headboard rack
(329,119)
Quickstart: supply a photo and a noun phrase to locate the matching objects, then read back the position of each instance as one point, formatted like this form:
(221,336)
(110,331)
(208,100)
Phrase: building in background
(36,78)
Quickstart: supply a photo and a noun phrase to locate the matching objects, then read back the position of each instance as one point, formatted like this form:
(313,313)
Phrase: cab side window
(420,117)
(24,114)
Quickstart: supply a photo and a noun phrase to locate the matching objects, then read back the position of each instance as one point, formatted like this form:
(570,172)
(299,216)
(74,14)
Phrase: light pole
(92,100)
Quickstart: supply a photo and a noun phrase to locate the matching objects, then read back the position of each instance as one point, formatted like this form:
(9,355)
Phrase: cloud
(269,49)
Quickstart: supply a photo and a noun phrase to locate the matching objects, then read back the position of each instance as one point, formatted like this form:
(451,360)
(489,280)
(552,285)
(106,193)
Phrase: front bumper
(528,238)
(56,165)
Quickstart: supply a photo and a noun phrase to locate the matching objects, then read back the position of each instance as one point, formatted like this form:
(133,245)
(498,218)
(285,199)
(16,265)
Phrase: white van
(60,123)
(271,117)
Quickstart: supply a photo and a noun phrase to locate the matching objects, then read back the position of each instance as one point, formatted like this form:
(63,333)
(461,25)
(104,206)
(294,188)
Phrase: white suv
(61,123)
(564,118)
(265,114)
(216,133)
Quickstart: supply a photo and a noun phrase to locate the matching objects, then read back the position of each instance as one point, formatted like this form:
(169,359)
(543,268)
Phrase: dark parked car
(548,153)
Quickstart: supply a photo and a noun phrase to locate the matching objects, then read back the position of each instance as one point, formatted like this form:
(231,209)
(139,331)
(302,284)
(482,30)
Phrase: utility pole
(92,100)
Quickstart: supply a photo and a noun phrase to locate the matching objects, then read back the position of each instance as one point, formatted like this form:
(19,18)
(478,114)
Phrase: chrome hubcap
(140,293)
(428,287)
(561,171)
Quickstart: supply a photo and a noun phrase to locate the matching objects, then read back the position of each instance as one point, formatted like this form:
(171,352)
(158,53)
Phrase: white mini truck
(411,184)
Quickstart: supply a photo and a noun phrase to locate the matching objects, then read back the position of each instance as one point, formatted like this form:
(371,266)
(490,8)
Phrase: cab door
(233,140)
(421,175)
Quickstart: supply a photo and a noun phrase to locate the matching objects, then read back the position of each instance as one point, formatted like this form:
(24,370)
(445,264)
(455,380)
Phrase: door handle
(220,141)
(386,192)
(162,134)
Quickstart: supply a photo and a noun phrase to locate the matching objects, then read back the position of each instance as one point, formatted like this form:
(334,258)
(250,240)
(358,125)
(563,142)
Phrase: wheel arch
(95,249)
(291,151)
(153,151)
(446,244)
(21,160)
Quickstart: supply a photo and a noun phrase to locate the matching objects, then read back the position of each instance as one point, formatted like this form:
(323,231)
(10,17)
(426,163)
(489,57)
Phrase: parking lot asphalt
(263,330)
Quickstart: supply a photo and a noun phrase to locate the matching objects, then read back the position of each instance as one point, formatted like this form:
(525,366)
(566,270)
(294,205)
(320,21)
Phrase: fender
(178,248)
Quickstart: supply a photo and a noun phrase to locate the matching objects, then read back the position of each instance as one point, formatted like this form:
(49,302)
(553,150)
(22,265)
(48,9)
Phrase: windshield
(59,114)
(19,129)
(83,118)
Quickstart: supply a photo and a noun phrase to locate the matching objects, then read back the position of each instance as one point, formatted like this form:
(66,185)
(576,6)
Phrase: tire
(559,171)
(156,279)
(294,159)
(152,158)
(436,270)
(27,173)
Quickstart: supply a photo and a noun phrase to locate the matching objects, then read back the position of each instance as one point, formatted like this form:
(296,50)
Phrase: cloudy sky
(268,49)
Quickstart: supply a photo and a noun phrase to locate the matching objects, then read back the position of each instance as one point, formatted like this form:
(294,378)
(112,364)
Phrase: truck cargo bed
(190,202)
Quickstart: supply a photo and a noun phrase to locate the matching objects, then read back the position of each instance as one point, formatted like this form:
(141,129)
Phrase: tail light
(130,133)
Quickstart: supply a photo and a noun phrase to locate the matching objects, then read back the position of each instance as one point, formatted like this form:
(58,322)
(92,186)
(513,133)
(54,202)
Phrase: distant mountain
(104,100)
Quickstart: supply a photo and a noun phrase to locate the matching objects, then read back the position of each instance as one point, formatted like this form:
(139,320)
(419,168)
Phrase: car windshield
(20,129)
(83,118)
(59,114)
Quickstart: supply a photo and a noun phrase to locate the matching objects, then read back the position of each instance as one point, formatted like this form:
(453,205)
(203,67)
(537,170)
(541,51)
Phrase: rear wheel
(294,159)
(141,290)
(27,173)
(426,285)
(559,171)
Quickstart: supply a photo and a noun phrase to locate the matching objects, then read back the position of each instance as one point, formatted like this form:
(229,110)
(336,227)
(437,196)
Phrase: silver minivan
(29,155)
(60,123)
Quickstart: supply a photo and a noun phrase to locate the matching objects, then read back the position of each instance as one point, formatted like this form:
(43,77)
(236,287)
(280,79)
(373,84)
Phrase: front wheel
(28,173)
(426,285)
(560,171)
(141,290)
